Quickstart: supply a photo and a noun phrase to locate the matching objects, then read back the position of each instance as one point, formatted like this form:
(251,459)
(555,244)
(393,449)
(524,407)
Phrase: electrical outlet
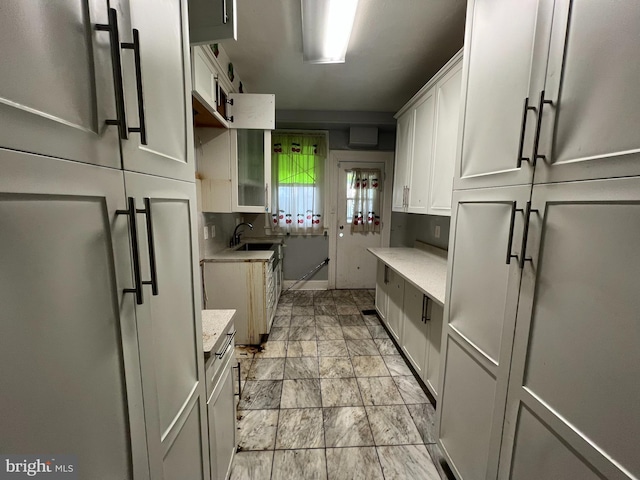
(436,233)
(206,232)
(213,231)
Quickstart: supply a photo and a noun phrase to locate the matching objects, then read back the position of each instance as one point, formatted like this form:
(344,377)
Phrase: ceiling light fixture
(326,29)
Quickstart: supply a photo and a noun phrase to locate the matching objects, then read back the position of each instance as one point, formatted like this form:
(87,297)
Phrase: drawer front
(220,358)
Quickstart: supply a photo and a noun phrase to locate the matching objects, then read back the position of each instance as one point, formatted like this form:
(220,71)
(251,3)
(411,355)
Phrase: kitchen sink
(252,247)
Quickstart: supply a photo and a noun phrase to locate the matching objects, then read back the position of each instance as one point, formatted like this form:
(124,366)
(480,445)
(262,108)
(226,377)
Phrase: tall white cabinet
(541,323)
(101,332)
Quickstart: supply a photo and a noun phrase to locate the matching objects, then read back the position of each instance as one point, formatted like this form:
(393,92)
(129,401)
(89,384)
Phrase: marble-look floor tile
(340,392)
(362,347)
(346,427)
(378,331)
(439,461)
(272,350)
(371,320)
(335,367)
(244,351)
(332,348)
(278,334)
(301,393)
(302,348)
(262,394)
(410,390)
(392,425)
(424,416)
(347,310)
(300,428)
(245,366)
(302,333)
(386,346)
(303,301)
(323,301)
(252,466)
(281,321)
(379,391)
(267,369)
(351,320)
(329,333)
(322,294)
(257,429)
(366,366)
(327,321)
(344,301)
(305,367)
(396,365)
(356,333)
(302,310)
(355,463)
(407,462)
(284,310)
(299,465)
(325,309)
(303,320)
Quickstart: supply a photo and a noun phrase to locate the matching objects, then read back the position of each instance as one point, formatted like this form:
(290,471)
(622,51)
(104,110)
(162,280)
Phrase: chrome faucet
(235,240)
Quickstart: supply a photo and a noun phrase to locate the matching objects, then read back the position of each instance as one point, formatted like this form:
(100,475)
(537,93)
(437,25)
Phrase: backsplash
(406,228)
(224,224)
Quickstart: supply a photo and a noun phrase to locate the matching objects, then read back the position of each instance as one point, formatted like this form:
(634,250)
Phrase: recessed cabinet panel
(420,173)
(212,20)
(404,153)
(431,373)
(381,290)
(252,111)
(415,337)
(395,315)
(184,458)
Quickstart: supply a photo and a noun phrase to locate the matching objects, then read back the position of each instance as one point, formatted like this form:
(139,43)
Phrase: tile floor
(329,397)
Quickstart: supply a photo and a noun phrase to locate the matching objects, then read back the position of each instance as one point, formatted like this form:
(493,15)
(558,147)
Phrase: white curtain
(364,200)
(298,165)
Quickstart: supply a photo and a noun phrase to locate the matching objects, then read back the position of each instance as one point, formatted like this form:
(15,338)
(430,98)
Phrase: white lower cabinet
(382,296)
(395,301)
(415,335)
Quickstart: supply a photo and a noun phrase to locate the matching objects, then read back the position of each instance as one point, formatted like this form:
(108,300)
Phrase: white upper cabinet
(212,20)
(426,139)
(501,91)
(56,83)
(590,128)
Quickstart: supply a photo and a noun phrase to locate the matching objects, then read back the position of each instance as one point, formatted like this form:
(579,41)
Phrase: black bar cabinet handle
(525,236)
(523,130)
(152,250)
(227,344)
(225,17)
(116,65)
(511,226)
(131,212)
(536,141)
(135,46)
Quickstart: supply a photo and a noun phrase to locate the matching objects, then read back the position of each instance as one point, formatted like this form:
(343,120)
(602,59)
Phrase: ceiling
(395,47)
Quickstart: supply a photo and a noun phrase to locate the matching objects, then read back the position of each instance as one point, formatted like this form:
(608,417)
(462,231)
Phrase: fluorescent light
(326,29)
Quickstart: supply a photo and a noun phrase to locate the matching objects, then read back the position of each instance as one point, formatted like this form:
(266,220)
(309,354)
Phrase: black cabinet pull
(226,345)
(225,17)
(116,65)
(152,250)
(135,46)
(131,212)
(525,235)
(523,130)
(425,308)
(536,141)
(511,225)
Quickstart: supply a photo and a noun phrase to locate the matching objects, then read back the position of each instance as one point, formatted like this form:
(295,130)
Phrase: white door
(415,332)
(504,58)
(483,283)
(419,177)
(395,305)
(591,128)
(382,296)
(71,378)
(169,325)
(431,371)
(355,267)
(157,85)
(56,81)
(576,345)
(402,163)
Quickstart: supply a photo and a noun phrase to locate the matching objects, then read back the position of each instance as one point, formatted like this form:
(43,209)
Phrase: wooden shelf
(202,117)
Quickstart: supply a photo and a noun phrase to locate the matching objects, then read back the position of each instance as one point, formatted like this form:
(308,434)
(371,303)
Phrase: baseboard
(306,285)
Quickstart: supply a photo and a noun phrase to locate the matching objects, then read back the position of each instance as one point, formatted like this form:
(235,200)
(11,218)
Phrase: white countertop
(215,325)
(426,269)
(231,255)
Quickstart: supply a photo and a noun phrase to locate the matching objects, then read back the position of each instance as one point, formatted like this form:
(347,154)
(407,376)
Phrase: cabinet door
(483,294)
(591,128)
(159,90)
(212,20)
(169,324)
(504,58)
(431,371)
(251,172)
(68,337)
(415,330)
(213,153)
(56,84)
(404,152)
(395,316)
(252,111)
(222,425)
(382,281)
(447,118)
(576,345)
(422,156)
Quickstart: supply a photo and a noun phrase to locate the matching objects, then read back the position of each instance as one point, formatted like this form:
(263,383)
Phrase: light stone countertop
(215,325)
(232,255)
(425,268)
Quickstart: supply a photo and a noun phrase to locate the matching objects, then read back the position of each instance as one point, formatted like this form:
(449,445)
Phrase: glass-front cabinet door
(251,192)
